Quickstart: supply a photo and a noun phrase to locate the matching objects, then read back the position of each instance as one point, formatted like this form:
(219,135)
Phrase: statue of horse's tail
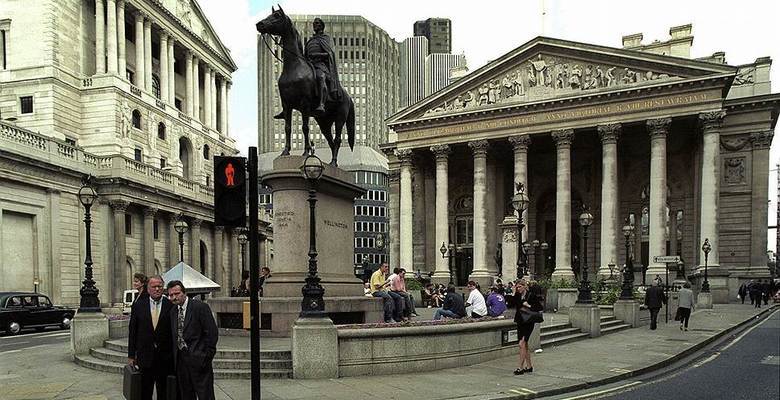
(351,125)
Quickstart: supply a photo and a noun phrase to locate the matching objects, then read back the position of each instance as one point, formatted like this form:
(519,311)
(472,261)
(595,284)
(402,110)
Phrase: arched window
(156,86)
(136,119)
(205,152)
(161,131)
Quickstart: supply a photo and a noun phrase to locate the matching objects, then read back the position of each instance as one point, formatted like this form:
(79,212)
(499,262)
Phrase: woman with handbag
(528,311)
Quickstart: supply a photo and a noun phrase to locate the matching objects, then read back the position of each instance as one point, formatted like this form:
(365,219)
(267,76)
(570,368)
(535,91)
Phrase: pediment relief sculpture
(544,77)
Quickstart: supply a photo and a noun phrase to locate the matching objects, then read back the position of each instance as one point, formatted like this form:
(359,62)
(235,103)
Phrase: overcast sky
(483,31)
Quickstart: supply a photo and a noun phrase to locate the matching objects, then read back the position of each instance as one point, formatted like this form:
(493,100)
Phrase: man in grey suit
(195,337)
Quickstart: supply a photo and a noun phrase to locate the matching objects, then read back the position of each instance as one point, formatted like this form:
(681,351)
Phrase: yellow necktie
(155,315)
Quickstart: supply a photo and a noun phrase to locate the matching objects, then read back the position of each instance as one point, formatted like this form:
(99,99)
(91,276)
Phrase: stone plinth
(718,278)
(704,300)
(560,299)
(87,330)
(627,311)
(334,230)
(315,349)
(509,248)
(586,317)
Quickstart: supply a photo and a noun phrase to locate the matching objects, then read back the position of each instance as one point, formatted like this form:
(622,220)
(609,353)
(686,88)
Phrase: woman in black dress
(529,300)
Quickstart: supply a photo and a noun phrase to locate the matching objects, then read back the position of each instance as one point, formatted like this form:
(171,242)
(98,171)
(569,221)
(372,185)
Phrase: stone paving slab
(47,372)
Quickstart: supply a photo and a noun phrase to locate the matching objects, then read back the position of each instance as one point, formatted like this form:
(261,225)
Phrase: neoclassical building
(134,93)
(679,146)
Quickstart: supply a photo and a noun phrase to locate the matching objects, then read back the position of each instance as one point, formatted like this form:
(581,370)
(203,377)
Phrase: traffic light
(230,191)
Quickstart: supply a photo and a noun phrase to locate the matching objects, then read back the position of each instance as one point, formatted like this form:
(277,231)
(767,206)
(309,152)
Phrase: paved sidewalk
(46,372)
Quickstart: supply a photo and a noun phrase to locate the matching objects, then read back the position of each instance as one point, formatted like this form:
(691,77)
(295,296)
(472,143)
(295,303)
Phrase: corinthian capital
(563,137)
(441,151)
(609,133)
(150,212)
(711,121)
(658,127)
(761,140)
(479,147)
(404,156)
(520,142)
(119,206)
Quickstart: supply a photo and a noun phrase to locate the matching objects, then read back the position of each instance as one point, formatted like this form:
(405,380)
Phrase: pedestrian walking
(765,291)
(654,300)
(685,296)
(756,292)
(149,345)
(527,301)
(195,337)
(743,292)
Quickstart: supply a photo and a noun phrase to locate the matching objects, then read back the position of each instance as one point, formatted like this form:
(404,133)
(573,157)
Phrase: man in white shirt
(476,302)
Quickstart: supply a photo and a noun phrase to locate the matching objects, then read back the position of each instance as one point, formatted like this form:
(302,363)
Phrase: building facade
(413,51)
(438,31)
(133,93)
(678,146)
(368,66)
(438,70)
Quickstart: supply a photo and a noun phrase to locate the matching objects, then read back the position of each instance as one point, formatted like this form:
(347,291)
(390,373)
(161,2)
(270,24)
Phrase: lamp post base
(704,300)
(315,351)
(87,330)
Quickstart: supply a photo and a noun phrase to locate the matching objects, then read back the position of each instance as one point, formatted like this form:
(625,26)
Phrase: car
(23,310)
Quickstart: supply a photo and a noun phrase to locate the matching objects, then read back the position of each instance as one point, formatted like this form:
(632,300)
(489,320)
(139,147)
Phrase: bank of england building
(133,93)
(678,146)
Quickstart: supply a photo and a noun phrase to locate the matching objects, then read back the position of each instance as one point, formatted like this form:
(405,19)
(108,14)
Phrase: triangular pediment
(190,15)
(549,69)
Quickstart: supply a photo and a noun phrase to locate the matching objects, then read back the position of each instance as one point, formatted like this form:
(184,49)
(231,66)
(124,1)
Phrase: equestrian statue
(310,84)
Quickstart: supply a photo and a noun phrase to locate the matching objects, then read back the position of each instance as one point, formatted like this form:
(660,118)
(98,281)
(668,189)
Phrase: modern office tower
(413,53)
(439,34)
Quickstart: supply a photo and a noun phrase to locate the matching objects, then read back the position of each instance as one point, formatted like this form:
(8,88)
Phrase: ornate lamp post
(586,219)
(706,248)
(243,238)
(89,301)
(446,252)
(544,246)
(526,252)
(628,271)
(312,305)
(181,228)
(520,203)
(536,243)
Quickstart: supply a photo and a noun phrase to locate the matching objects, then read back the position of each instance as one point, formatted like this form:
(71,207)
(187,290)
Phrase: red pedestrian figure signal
(229,175)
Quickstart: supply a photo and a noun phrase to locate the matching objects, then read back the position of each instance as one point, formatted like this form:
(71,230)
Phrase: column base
(657,270)
(483,278)
(315,353)
(440,277)
(563,273)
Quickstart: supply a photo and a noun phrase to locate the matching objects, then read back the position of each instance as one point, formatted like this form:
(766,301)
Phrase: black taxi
(23,310)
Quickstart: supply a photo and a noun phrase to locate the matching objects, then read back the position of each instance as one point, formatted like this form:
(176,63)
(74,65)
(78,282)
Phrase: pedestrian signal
(230,191)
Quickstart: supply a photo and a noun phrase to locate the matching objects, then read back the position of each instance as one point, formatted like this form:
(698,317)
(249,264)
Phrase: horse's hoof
(285,152)
(334,163)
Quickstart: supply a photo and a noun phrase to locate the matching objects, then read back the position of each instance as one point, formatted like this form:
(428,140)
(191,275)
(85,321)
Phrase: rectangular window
(156,229)
(128,224)
(163,162)
(70,141)
(208,180)
(177,104)
(3,51)
(26,105)
(137,155)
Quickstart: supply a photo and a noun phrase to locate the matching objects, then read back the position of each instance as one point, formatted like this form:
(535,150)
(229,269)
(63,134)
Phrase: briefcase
(131,386)
(171,388)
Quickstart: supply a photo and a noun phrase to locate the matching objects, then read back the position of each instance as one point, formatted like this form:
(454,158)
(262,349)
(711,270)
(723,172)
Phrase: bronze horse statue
(298,90)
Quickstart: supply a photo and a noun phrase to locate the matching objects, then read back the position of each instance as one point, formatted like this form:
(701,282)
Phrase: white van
(129,299)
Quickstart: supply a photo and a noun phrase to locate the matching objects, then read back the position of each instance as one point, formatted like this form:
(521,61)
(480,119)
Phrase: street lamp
(586,218)
(448,251)
(243,238)
(628,271)
(706,248)
(312,304)
(544,246)
(89,301)
(181,228)
(520,203)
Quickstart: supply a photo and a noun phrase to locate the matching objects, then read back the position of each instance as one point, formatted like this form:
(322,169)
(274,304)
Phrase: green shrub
(413,284)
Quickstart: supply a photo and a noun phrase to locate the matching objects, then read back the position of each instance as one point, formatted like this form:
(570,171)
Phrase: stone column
(140,65)
(207,95)
(609,135)
(171,72)
(148,55)
(520,145)
(219,269)
(658,129)
(562,139)
(393,203)
(100,37)
(111,37)
(188,83)
(405,259)
(164,67)
(148,244)
(173,243)
(214,99)
(196,88)
(227,108)
(710,186)
(480,271)
(195,244)
(760,191)
(116,274)
(222,107)
(121,45)
(442,152)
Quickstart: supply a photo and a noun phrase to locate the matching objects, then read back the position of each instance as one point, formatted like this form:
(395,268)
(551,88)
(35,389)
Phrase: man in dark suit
(654,300)
(149,340)
(195,338)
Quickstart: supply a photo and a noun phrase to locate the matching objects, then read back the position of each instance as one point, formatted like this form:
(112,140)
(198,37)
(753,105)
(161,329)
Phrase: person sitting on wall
(434,298)
(453,305)
(392,303)
(476,302)
(496,304)
(398,286)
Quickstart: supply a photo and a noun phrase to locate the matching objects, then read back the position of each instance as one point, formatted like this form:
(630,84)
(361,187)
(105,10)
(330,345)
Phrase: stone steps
(218,363)
(120,345)
(95,363)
